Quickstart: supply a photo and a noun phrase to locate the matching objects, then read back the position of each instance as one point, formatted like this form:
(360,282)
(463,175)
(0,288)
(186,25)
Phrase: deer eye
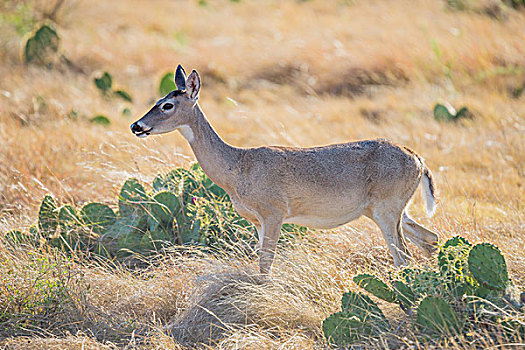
(167,106)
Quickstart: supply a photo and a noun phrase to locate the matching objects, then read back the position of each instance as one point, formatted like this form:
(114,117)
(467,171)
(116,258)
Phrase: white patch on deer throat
(186,131)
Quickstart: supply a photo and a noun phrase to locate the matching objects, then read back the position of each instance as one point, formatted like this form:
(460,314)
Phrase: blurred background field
(299,73)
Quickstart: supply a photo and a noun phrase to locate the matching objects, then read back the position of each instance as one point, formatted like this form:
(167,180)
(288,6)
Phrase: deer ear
(193,85)
(180,78)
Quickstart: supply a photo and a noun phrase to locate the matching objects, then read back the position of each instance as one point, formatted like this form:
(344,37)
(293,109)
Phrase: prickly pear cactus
(70,224)
(463,113)
(343,328)
(168,182)
(448,251)
(453,267)
(68,218)
(123,95)
(48,216)
(448,113)
(103,82)
(421,281)
(192,232)
(128,233)
(360,317)
(16,238)
(97,217)
(442,113)
(124,236)
(437,316)
(167,84)
(375,286)
(154,240)
(365,308)
(41,45)
(487,265)
(132,198)
(164,207)
(404,294)
(100,120)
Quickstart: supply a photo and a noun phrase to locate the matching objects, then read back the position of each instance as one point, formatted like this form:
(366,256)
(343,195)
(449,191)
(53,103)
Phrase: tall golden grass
(292,73)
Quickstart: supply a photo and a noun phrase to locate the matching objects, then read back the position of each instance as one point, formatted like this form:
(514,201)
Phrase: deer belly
(323,221)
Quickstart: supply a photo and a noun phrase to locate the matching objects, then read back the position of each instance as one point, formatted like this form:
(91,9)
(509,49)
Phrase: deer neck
(217,158)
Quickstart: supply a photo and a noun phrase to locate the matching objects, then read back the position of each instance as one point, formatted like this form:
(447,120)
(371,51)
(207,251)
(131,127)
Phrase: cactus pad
(363,307)
(167,182)
(97,217)
(164,207)
(48,216)
(103,82)
(437,316)
(125,235)
(360,318)
(447,251)
(442,113)
(190,233)
(153,240)
(343,328)
(16,238)
(100,120)
(69,227)
(463,113)
(167,84)
(453,267)
(487,265)
(67,217)
(404,294)
(123,95)
(132,198)
(447,113)
(41,45)
(375,286)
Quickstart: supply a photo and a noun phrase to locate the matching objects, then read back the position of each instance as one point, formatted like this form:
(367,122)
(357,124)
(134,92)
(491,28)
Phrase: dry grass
(294,73)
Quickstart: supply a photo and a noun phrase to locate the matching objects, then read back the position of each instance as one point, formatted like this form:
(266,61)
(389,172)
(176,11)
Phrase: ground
(299,73)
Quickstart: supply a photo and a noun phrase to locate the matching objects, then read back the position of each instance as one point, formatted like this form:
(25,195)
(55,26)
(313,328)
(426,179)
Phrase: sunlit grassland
(290,73)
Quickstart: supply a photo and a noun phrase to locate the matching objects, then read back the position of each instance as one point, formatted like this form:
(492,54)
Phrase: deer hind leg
(268,237)
(425,239)
(390,225)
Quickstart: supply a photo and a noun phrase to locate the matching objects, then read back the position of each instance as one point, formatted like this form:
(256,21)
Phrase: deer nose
(135,127)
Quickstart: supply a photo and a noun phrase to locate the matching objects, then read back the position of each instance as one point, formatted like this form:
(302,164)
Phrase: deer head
(173,111)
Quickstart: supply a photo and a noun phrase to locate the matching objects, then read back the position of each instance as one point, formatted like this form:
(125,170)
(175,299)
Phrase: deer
(317,187)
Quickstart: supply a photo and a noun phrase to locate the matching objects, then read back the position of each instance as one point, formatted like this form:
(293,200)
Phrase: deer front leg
(268,237)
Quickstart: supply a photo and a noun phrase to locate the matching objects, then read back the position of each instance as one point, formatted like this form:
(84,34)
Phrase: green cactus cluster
(468,285)
(183,207)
